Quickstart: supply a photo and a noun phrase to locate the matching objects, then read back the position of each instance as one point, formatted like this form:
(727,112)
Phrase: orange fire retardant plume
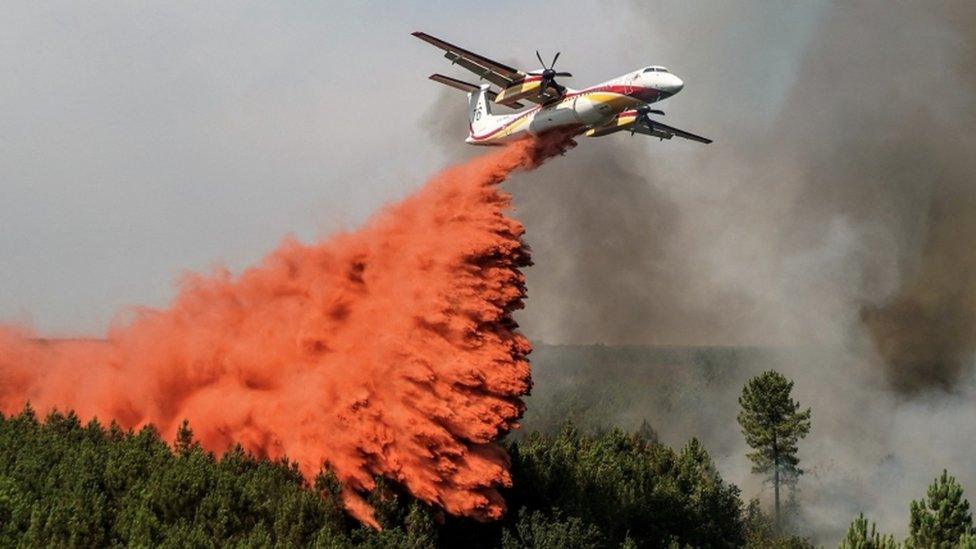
(386,351)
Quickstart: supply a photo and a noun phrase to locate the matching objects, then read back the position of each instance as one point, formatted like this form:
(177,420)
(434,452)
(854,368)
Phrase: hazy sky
(141,140)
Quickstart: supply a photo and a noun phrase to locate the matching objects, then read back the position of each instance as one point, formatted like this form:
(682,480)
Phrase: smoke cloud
(873,151)
(891,151)
(386,351)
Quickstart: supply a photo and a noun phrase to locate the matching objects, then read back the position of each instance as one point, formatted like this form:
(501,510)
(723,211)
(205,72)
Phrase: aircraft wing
(492,71)
(497,73)
(663,131)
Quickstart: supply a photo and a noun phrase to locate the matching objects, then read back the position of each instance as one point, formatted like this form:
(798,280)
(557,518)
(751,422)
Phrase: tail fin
(479,110)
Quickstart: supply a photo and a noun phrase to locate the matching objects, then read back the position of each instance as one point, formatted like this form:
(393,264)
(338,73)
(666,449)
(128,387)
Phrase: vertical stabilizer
(479,111)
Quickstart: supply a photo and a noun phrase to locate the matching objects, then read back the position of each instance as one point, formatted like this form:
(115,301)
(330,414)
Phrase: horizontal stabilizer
(467,87)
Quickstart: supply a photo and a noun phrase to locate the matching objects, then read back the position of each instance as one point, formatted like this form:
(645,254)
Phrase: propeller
(549,75)
(643,117)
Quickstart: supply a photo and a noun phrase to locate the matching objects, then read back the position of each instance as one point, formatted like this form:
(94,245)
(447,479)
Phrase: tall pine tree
(773,424)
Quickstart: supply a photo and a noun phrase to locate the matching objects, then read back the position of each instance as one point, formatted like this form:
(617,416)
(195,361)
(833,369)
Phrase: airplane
(619,104)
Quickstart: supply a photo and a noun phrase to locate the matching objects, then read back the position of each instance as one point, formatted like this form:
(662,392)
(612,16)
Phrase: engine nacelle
(623,121)
(521,90)
(592,113)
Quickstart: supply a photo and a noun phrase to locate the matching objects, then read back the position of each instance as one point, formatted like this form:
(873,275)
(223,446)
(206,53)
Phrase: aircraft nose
(673,85)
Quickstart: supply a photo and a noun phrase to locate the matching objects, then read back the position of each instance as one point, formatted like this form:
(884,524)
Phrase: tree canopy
(64,483)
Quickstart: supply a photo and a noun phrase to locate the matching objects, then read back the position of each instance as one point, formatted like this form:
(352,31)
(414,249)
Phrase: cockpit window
(655,69)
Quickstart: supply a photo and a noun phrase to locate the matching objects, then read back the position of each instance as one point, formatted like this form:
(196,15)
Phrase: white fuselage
(578,110)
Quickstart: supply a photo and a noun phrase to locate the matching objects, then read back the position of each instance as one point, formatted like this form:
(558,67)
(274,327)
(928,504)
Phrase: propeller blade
(554,60)
(539,57)
(564,74)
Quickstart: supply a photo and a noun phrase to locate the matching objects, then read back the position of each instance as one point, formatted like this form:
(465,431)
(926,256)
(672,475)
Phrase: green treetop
(942,519)
(859,536)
